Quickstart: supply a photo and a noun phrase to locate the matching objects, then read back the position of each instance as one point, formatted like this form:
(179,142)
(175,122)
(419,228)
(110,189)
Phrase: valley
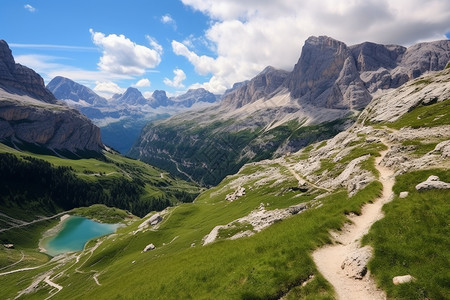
(327,182)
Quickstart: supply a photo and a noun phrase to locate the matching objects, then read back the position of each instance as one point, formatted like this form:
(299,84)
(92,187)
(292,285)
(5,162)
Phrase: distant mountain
(132,96)
(122,117)
(31,118)
(278,112)
(64,88)
(193,96)
(159,98)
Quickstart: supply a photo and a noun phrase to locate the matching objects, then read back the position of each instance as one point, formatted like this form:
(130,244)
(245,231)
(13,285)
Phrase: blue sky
(174,45)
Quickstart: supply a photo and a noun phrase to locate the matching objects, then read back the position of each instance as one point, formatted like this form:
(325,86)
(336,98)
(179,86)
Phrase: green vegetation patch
(414,238)
(102,213)
(425,116)
(235,228)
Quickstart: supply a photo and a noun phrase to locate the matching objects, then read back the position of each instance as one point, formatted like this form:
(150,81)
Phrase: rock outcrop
(55,127)
(31,117)
(432,183)
(18,79)
(66,89)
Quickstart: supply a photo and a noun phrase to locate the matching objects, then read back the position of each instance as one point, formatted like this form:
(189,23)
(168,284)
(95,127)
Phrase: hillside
(253,236)
(279,112)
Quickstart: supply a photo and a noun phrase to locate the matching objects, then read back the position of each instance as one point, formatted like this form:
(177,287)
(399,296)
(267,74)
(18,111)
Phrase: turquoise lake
(75,233)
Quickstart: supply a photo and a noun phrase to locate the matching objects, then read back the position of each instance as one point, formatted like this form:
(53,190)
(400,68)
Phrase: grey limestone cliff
(19,79)
(31,115)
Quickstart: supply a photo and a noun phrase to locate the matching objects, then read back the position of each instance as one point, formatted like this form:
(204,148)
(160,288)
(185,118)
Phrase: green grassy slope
(267,265)
(209,152)
(34,184)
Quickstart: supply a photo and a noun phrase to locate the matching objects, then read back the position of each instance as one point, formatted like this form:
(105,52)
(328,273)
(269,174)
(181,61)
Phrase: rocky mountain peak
(326,76)
(159,98)
(18,79)
(261,86)
(132,96)
(195,95)
(67,89)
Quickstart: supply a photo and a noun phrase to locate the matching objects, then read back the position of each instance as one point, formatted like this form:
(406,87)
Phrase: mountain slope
(279,112)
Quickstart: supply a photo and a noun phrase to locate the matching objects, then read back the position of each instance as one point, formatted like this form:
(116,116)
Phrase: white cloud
(29,8)
(154,43)
(122,56)
(49,67)
(107,89)
(250,35)
(142,83)
(167,19)
(177,81)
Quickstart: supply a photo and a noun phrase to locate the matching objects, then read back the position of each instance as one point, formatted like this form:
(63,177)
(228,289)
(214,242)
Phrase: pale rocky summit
(30,114)
(18,79)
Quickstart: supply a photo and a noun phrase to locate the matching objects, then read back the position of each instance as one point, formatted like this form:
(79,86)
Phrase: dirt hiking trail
(330,258)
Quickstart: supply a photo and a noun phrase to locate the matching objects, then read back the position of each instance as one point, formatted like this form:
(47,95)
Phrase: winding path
(330,258)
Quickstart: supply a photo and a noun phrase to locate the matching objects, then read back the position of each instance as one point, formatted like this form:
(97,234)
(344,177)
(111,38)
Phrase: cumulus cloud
(122,56)
(142,83)
(177,81)
(29,8)
(167,19)
(250,35)
(107,88)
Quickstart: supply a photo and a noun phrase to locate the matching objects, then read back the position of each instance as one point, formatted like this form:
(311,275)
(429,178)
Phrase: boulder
(355,265)
(149,247)
(433,182)
(155,219)
(403,195)
(403,279)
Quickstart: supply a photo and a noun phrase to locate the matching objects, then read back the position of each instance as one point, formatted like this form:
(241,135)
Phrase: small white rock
(403,279)
(403,195)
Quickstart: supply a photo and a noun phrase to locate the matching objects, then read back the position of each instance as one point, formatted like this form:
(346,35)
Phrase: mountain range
(122,117)
(278,112)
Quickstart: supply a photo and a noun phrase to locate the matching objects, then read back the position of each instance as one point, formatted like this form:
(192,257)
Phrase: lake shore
(51,232)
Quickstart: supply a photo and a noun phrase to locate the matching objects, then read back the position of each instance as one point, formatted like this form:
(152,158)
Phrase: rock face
(326,76)
(159,98)
(18,79)
(261,86)
(30,116)
(64,88)
(54,127)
